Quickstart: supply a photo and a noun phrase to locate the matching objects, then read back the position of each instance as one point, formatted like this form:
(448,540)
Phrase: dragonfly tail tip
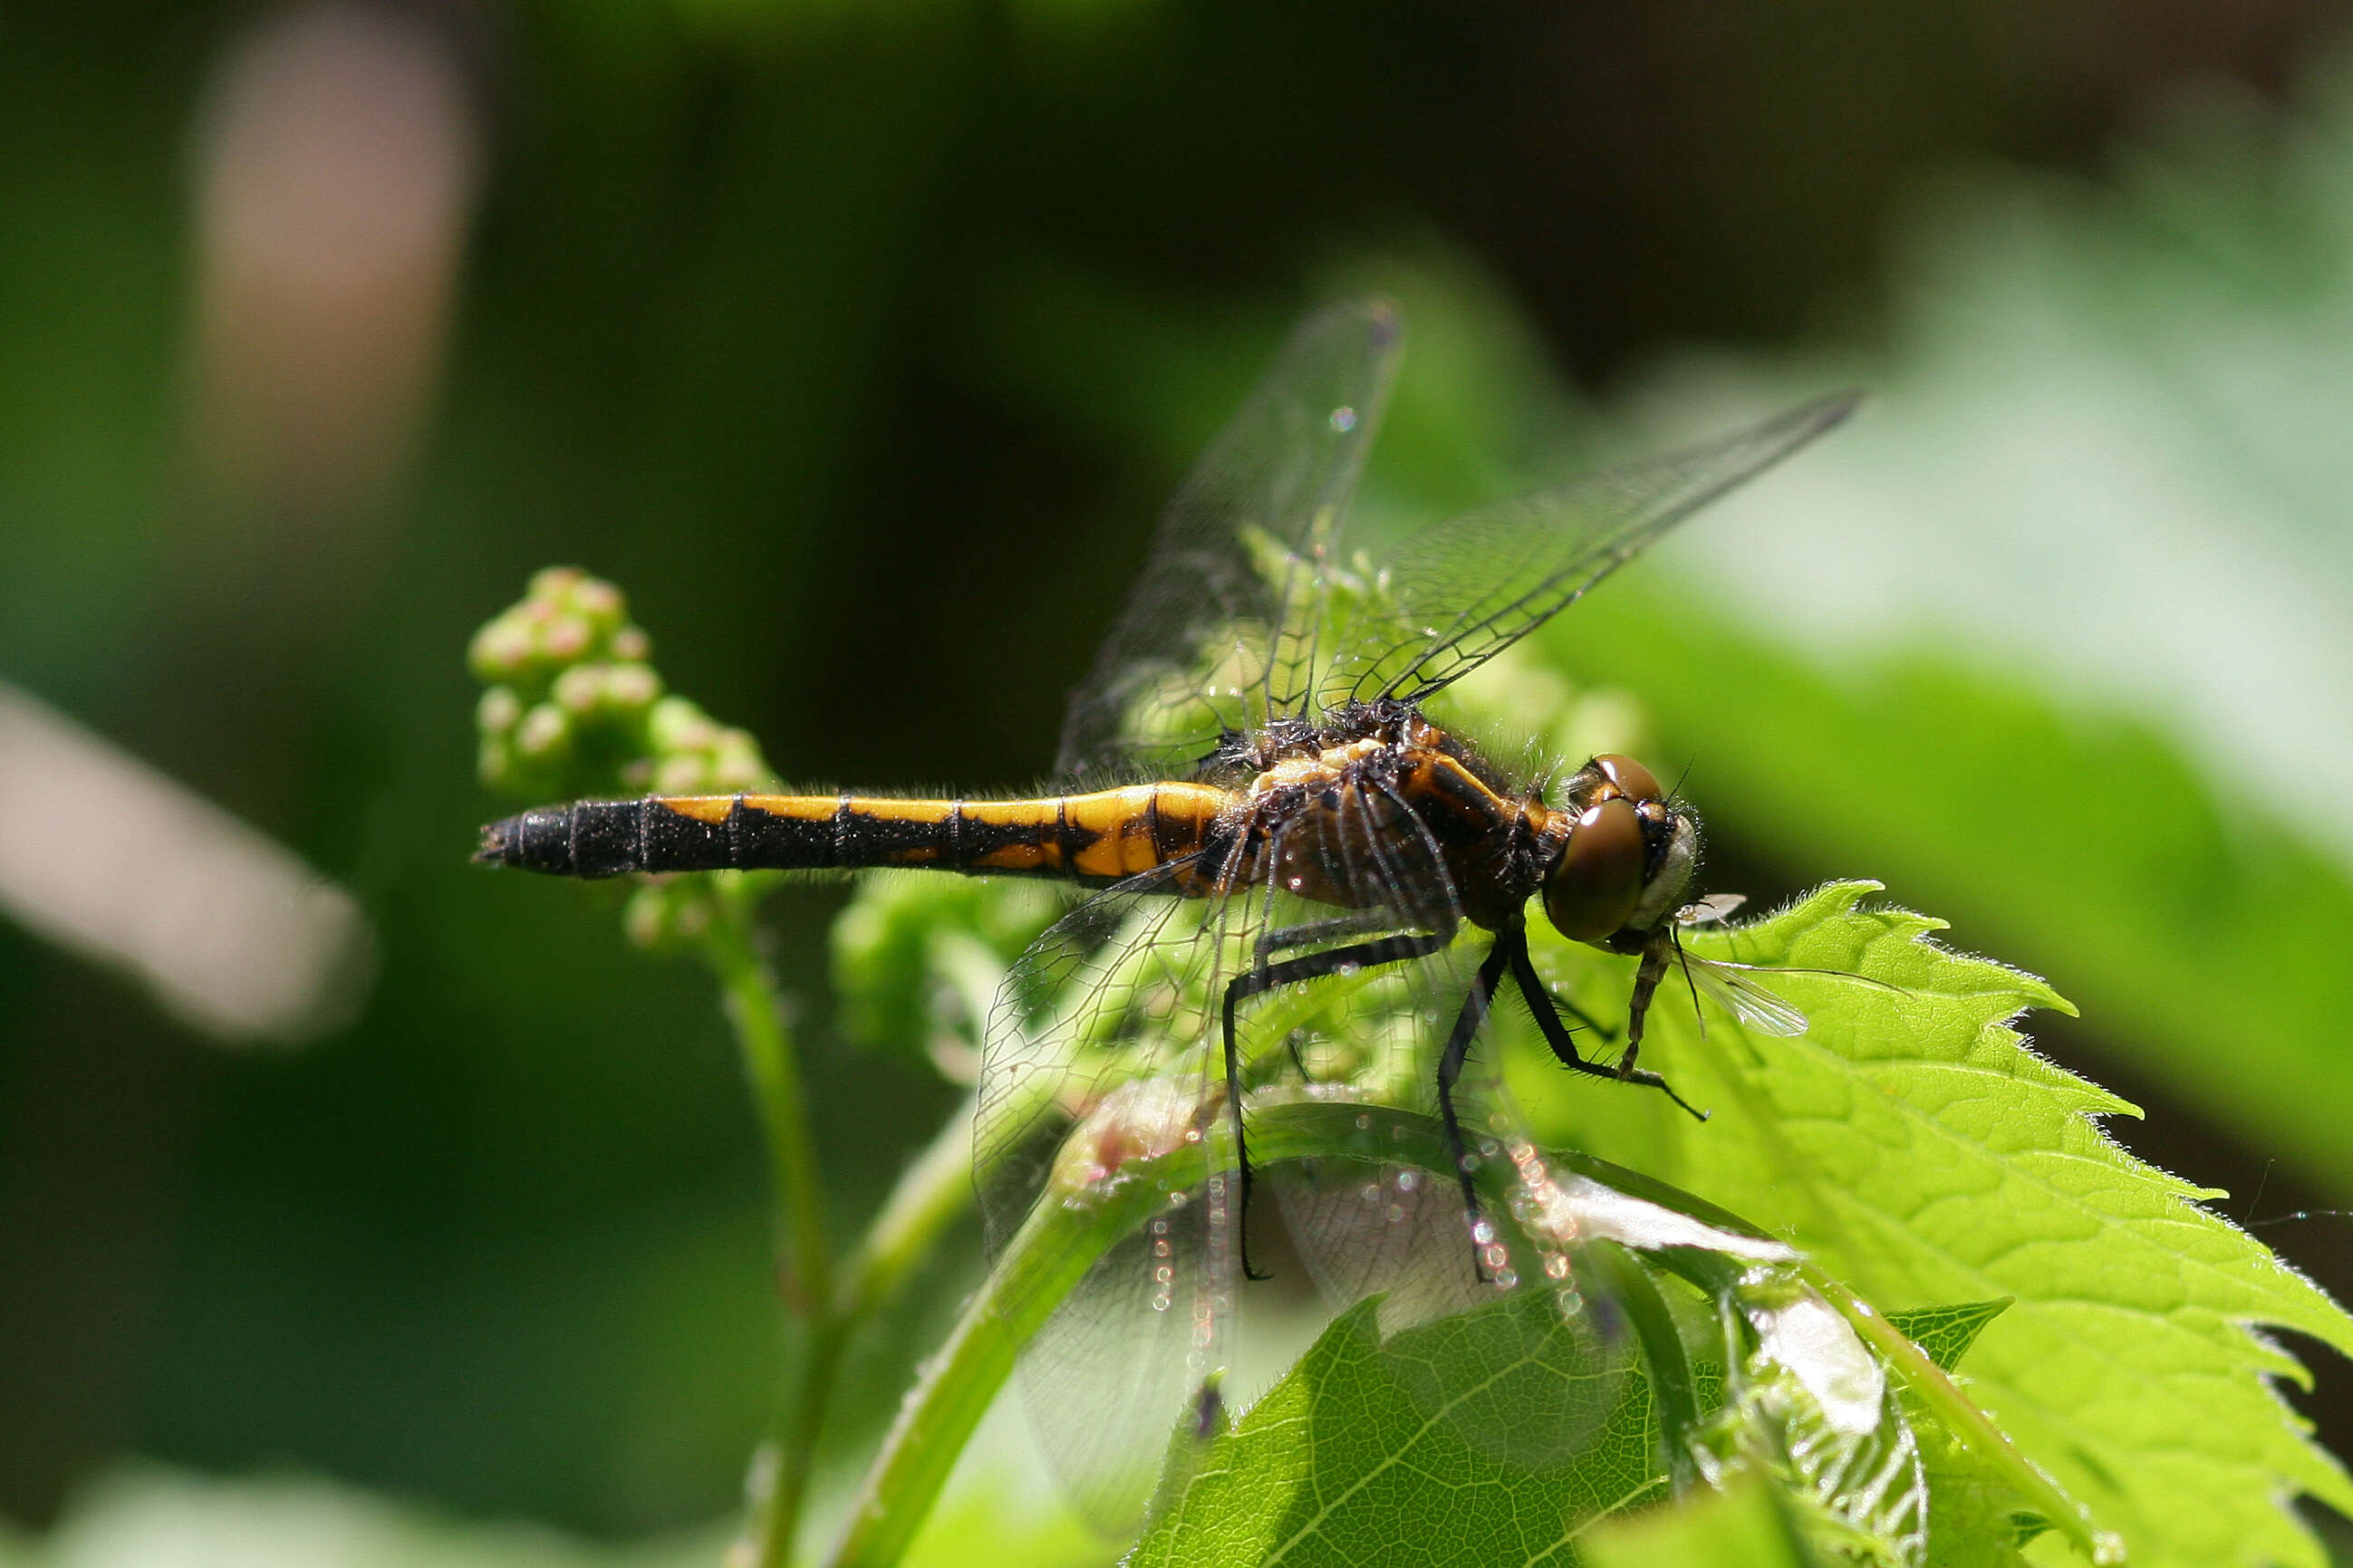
(497,845)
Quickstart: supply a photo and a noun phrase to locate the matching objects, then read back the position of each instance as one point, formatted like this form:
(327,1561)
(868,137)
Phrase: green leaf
(1976,1518)
(1920,1152)
(1947,1332)
(1373,1452)
(1743,1526)
(2178,916)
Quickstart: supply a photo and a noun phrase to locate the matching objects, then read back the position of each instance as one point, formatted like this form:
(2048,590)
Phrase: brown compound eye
(1630,776)
(1598,879)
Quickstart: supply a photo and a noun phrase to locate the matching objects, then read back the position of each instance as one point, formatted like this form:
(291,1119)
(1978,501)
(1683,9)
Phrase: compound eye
(1599,878)
(1630,776)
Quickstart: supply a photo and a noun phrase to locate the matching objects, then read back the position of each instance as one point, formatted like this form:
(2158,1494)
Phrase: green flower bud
(676,724)
(552,583)
(544,734)
(498,711)
(502,650)
(565,638)
(580,689)
(632,685)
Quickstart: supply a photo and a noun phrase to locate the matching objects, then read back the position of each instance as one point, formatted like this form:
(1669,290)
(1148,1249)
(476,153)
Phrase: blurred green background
(860,344)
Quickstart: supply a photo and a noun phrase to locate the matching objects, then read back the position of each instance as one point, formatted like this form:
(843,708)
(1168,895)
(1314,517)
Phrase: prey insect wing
(1742,997)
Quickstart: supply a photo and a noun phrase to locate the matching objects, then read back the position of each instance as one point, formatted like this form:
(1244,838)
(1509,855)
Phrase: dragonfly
(1295,882)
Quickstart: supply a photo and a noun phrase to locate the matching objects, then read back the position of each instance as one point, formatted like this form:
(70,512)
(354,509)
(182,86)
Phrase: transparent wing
(1106,1046)
(1374,1225)
(1510,1277)
(1463,590)
(1714,908)
(1724,984)
(1095,1054)
(1221,629)
(1108,995)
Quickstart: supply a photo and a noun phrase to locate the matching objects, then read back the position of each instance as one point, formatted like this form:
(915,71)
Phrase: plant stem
(755,1009)
(927,1198)
(804,1261)
(929,1195)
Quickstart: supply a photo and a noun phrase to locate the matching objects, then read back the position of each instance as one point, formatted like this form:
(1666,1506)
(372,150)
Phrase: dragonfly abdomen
(1094,839)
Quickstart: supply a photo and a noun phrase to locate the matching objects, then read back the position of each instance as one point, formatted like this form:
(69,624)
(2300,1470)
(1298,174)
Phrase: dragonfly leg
(1265,977)
(1289,937)
(1542,1004)
(1585,1020)
(1450,1071)
(1647,975)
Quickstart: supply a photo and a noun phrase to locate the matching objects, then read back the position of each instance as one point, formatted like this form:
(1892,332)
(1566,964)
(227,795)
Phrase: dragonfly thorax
(1625,861)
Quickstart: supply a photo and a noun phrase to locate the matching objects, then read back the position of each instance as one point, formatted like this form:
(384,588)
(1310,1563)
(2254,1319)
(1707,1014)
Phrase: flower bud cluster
(572,709)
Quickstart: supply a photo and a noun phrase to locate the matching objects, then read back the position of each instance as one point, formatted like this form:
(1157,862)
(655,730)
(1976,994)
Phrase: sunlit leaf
(1743,1526)
(1350,1459)
(1921,1153)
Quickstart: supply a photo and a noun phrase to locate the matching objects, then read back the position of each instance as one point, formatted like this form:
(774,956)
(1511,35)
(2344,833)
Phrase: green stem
(804,1263)
(930,1194)
(755,1011)
(928,1197)
(1674,1389)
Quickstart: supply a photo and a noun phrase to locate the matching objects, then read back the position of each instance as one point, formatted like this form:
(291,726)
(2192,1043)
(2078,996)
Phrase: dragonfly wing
(1463,590)
(1107,995)
(1096,1053)
(1220,630)
(1367,1224)
(1122,1359)
(1374,1228)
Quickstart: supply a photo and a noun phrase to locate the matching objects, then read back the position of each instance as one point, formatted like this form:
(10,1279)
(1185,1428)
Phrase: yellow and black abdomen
(1093,839)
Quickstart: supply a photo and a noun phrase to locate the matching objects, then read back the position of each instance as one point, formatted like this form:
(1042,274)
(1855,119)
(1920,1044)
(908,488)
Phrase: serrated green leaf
(1947,1332)
(2181,917)
(1913,1145)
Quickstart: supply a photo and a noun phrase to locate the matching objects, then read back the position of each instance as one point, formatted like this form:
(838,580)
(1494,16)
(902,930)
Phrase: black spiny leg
(1289,937)
(1450,1071)
(1542,1004)
(1315,966)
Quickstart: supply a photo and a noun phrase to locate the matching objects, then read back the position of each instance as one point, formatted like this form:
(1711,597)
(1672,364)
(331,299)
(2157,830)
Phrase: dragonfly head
(1626,862)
